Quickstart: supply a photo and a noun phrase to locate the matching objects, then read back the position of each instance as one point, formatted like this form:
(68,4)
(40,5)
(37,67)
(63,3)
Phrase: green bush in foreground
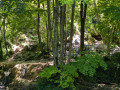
(63,77)
(112,74)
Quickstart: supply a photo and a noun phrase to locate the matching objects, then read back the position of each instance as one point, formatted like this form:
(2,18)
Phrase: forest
(59,44)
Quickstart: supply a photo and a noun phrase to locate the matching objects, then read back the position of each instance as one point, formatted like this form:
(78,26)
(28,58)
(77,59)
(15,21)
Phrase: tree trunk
(49,20)
(4,32)
(71,32)
(49,24)
(65,30)
(53,15)
(108,43)
(1,52)
(47,36)
(61,33)
(83,17)
(108,48)
(39,35)
(56,33)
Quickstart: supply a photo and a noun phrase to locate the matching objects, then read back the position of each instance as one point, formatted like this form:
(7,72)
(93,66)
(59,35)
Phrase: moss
(22,85)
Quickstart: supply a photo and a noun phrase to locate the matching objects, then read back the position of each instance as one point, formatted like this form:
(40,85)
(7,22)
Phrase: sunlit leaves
(88,64)
(70,2)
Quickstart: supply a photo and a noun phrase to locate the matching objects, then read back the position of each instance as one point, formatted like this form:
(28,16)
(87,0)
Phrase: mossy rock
(23,85)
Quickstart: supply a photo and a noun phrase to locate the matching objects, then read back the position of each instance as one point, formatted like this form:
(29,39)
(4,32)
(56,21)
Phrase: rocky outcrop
(31,73)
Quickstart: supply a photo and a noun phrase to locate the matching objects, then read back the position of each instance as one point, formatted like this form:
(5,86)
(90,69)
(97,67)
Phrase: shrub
(63,76)
(113,70)
(116,57)
(88,63)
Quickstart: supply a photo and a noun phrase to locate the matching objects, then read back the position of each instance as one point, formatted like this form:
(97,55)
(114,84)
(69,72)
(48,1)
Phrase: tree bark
(61,33)
(1,52)
(83,17)
(47,36)
(4,33)
(49,20)
(65,30)
(71,32)
(53,14)
(49,31)
(56,33)
(39,35)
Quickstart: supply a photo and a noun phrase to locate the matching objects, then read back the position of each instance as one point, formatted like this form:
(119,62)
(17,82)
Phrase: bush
(116,57)
(88,63)
(64,76)
(111,75)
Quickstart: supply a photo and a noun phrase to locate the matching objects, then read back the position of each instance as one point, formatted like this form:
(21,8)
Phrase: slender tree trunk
(1,52)
(53,14)
(56,33)
(49,22)
(83,17)
(4,33)
(39,35)
(47,36)
(61,33)
(82,28)
(65,30)
(53,44)
(109,42)
(71,32)
(108,48)
(97,15)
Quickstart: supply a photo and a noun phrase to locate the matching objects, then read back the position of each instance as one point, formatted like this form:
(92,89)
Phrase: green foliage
(116,57)
(67,76)
(113,70)
(70,2)
(48,72)
(88,63)
(107,24)
(64,76)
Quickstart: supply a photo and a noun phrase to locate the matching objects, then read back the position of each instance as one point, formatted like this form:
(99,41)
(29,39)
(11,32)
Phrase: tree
(62,33)
(65,29)
(71,31)
(1,51)
(108,23)
(49,23)
(39,35)
(4,34)
(56,13)
(83,17)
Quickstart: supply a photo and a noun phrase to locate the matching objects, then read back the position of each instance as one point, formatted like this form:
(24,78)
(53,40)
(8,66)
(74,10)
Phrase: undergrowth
(64,76)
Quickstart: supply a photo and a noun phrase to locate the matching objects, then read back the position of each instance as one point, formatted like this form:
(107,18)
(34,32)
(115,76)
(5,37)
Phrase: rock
(32,70)
(77,49)
(31,75)
(16,48)
(89,47)
(2,87)
(67,52)
(115,50)
(76,39)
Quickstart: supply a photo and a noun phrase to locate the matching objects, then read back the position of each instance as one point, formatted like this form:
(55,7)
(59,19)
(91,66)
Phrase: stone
(2,87)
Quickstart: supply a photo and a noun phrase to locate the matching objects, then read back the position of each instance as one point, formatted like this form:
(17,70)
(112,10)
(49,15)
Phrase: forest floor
(33,70)
(30,58)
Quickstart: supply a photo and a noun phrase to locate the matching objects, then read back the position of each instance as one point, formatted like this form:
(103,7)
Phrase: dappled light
(59,44)
(16,48)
